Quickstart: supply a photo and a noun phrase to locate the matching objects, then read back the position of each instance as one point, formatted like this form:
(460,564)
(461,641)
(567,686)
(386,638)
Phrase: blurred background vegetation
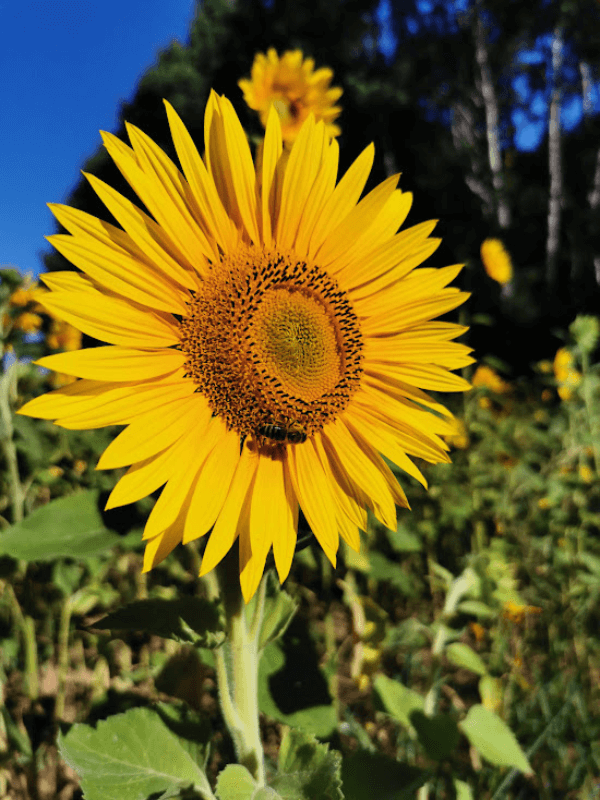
(501,557)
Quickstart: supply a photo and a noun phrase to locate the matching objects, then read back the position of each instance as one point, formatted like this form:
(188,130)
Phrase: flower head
(266,346)
(496,261)
(567,377)
(291,84)
(488,378)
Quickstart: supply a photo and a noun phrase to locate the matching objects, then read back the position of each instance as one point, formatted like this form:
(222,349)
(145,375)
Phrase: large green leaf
(319,720)
(306,769)
(461,655)
(129,757)
(438,734)
(68,527)
(366,776)
(492,737)
(399,701)
(188,620)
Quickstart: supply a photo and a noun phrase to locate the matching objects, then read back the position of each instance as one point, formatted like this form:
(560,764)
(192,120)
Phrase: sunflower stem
(237,668)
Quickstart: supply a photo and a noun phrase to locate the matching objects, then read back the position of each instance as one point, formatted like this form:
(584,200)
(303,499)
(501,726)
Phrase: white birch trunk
(554,164)
(492,121)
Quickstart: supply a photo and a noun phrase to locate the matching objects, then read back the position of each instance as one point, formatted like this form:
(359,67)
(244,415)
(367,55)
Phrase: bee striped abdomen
(281,433)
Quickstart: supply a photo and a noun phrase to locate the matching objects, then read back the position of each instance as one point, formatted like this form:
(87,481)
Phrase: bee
(286,434)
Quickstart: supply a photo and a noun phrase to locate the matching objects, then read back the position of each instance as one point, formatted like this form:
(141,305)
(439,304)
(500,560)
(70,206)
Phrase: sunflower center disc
(296,340)
(271,340)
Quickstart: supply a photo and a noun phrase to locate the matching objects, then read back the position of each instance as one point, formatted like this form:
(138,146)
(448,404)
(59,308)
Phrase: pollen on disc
(295,338)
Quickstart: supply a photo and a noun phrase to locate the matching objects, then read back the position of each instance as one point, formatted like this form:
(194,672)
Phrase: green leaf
(130,756)
(477,608)
(279,611)
(438,734)
(461,655)
(191,728)
(70,527)
(382,569)
(399,701)
(235,783)
(492,737)
(463,790)
(366,776)
(404,541)
(319,720)
(188,620)
(307,770)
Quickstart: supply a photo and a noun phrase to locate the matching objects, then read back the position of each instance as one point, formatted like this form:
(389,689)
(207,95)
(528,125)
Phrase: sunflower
(294,88)
(496,261)
(266,347)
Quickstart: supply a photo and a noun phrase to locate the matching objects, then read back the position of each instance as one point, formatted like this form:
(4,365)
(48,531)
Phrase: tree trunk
(554,165)
(492,121)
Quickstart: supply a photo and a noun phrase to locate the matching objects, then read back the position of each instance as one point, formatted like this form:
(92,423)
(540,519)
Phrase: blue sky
(65,65)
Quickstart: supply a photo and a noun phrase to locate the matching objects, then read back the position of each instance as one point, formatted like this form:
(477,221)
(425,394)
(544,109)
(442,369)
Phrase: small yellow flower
(488,378)
(586,474)
(294,88)
(63,336)
(543,503)
(496,261)
(485,403)
(545,367)
(28,322)
(56,472)
(515,612)
(478,631)
(79,467)
(459,438)
(563,361)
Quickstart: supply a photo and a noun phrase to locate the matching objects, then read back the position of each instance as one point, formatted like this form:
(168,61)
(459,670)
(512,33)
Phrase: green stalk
(26,627)
(237,665)
(63,657)
(589,408)
(17,495)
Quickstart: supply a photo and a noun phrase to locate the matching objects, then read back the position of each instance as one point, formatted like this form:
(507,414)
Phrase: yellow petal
(270,518)
(113,320)
(115,269)
(159,548)
(367,242)
(342,200)
(147,476)
(390,262)
(209,203)
(115,363)
(394,321)
(271,153)
(235,514)
(126,402)
(242,168)
(212,484)
(402,349)
(67,399)
(146,234)
(321,191)
(302,169)
(155,430)
(151,251)
(363,470)
(167,195)
(314,495)
(199,442)
(360,218)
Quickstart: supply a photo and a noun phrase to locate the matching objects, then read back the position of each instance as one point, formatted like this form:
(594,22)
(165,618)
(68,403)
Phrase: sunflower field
(292,506)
